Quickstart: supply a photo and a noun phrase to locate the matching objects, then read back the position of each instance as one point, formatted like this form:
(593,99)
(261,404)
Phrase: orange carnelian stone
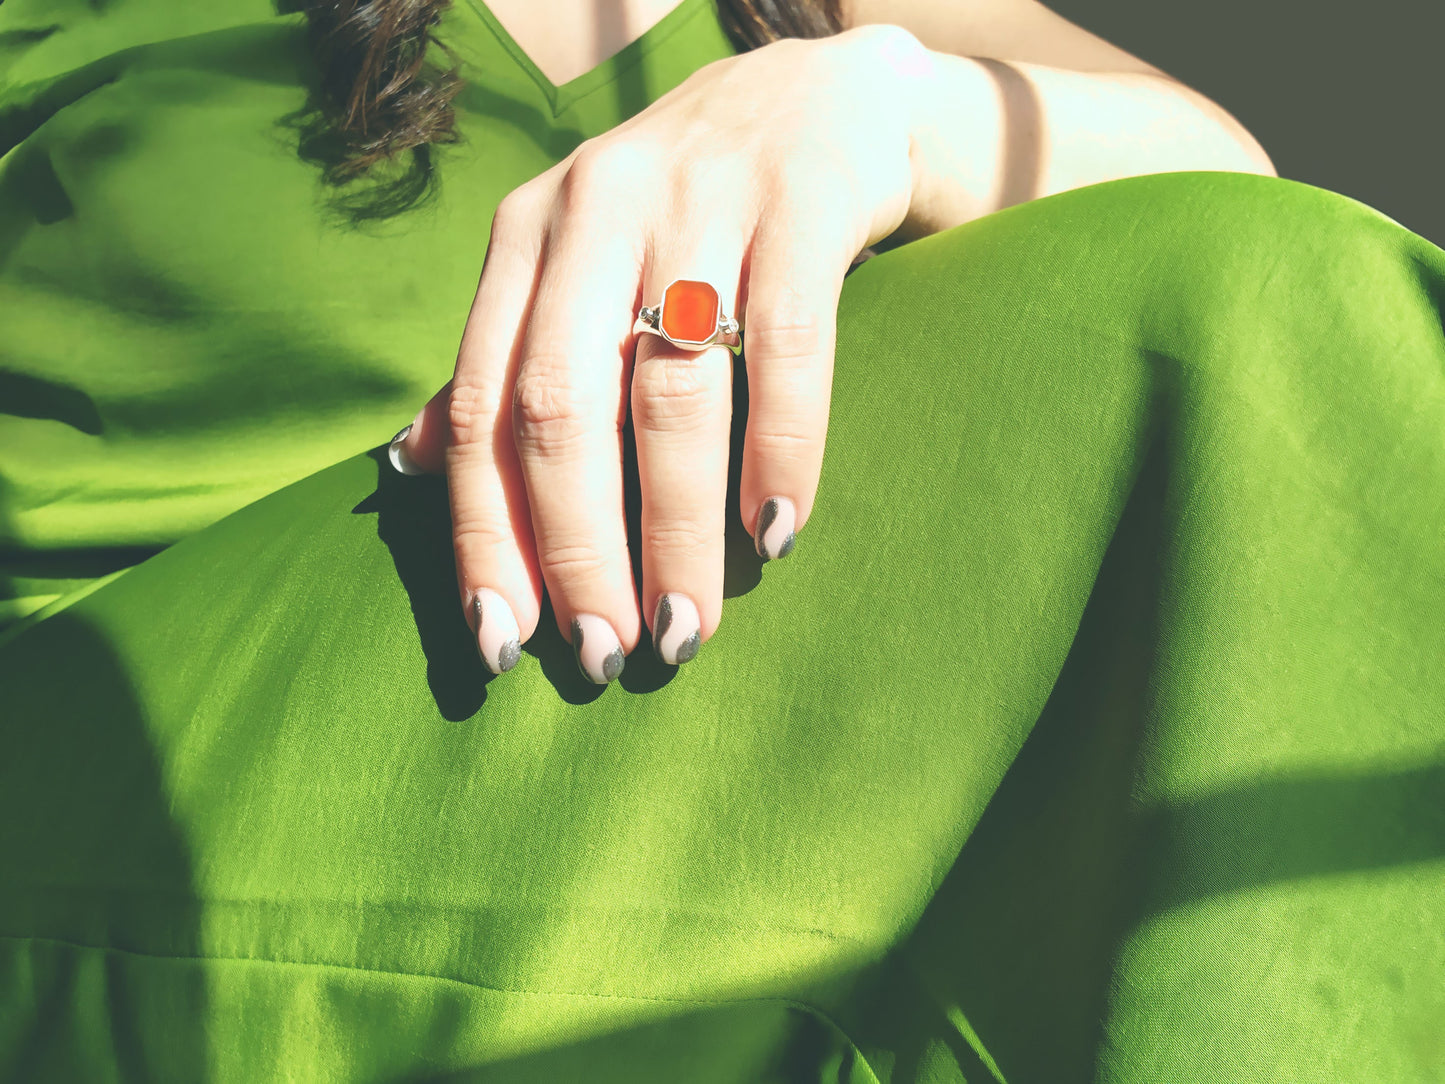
(689,311)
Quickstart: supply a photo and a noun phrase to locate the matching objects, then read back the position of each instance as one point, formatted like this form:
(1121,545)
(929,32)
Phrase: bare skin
(918,118)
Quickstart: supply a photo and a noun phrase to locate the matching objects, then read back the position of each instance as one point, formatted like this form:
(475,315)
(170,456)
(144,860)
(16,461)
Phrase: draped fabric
(1094,730)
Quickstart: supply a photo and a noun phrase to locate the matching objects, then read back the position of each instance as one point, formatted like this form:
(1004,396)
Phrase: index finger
(497,573)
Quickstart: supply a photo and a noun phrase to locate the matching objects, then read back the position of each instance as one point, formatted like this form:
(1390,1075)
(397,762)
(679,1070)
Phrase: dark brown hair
(383,99)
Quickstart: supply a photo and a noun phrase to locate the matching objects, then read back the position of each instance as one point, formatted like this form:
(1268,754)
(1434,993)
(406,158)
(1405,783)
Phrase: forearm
(991,133)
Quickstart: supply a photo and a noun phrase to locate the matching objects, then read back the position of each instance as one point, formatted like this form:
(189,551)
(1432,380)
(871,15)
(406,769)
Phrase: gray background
(1348,98)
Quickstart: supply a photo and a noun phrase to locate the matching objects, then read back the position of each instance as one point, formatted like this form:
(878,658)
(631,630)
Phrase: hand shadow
(414,523)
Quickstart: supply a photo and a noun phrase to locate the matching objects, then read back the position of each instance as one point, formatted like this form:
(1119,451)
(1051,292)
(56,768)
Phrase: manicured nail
(599,651)
(774,534)
(676,629)
(499,642)
(397,453)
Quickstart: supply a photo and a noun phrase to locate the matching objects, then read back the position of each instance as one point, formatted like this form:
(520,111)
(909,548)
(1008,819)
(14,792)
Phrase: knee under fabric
(1093,730)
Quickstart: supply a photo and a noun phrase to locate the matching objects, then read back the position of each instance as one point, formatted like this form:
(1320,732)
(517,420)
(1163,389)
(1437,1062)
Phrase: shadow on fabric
(1021,938)
(761,1040)
(98,878)
(413,522)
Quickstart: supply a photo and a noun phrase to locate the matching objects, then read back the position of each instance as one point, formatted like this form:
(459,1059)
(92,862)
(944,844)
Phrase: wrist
(951,113)
(958,145)
(891,77)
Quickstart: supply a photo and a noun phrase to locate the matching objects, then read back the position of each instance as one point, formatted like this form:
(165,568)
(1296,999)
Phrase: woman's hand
(764,174)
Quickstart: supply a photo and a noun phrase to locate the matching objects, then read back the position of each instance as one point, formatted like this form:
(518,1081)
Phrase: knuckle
(603,170)
(787,339)
(548,411)
(517,218)
(511,212)
(672,394)
(468,408)
(684,538)
(783,444)
(573,563)
(474,538)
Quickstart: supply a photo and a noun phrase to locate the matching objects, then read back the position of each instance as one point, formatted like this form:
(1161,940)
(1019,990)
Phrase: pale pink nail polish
(598,650)
(499,642)
(775,531)
(676,629)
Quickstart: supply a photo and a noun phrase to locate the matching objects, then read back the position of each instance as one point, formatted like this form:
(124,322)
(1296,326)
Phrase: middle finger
(567,415)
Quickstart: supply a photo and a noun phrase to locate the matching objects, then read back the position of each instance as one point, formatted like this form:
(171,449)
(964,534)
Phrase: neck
(566,38)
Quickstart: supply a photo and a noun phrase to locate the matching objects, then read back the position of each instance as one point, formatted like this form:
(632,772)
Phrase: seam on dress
(421,975)
(792,1003)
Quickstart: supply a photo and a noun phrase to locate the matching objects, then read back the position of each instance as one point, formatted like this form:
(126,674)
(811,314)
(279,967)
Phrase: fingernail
(397,453)
(676,629)
(499,642)
(774,534)
(599,651)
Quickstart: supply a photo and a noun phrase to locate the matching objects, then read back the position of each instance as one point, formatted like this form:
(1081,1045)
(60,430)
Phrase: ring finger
(681,414)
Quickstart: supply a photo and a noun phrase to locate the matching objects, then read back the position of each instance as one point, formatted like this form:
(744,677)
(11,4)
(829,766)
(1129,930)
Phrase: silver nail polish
(499,642)
(401,462)
(775,531)
(598,650)
(676,629)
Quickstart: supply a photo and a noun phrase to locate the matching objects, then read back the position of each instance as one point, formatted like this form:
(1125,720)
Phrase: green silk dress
(1095,731)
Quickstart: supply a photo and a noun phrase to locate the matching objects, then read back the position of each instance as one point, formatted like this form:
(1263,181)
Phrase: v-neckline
(561,95)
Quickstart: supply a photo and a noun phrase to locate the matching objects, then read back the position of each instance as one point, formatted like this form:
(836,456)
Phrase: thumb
(420,448)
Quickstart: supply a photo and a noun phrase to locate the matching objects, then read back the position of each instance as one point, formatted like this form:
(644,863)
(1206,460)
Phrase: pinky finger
(792,302)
